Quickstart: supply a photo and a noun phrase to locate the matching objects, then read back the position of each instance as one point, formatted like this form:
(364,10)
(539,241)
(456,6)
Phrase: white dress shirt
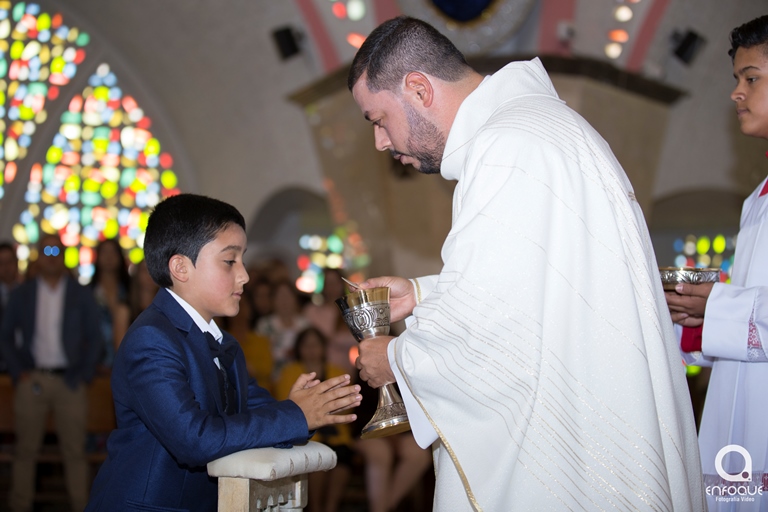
(200,321)
(47,345)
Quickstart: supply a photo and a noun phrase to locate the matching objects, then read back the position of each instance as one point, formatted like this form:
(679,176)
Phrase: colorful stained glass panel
(39,54)
(102,174)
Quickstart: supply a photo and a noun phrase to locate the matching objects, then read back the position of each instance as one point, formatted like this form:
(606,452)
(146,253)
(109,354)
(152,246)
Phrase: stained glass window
(38,55)
(342,249)
(705,251)
(102,174)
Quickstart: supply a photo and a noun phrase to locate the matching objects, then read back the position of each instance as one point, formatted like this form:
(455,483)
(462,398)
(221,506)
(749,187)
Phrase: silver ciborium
(672,276)
(366,313)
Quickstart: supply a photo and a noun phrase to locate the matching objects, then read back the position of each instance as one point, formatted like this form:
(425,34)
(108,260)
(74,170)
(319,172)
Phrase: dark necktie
(226,353)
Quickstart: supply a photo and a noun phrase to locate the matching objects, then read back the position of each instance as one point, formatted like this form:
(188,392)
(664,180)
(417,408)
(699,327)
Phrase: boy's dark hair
(402,45)
(750,34)
(183,224)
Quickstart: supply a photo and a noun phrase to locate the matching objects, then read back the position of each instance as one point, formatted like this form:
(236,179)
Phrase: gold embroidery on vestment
(418,291)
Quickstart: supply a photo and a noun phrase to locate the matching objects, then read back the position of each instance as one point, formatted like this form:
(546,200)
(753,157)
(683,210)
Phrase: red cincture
(765,187)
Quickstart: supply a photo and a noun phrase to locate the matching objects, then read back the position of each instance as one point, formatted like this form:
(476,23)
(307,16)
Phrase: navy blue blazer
(80,332)
(171,421)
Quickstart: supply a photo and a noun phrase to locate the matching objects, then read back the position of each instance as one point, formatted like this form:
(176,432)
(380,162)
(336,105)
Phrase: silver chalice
(366,313)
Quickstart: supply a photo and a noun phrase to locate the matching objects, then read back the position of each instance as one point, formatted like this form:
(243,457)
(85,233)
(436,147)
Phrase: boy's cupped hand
(322,401)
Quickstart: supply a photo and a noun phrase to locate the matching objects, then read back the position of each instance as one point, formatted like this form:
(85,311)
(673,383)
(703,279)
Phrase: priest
(538,363)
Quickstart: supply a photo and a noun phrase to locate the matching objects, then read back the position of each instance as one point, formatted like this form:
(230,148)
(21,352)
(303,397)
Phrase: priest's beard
(425,142)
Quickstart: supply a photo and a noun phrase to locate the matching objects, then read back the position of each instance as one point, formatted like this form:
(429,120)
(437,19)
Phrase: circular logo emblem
(745,475)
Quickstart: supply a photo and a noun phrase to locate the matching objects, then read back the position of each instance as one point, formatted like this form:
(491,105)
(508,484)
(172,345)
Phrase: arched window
(103,170)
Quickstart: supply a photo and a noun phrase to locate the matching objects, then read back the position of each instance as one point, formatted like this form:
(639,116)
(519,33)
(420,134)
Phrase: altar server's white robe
(736,408)
(543,354)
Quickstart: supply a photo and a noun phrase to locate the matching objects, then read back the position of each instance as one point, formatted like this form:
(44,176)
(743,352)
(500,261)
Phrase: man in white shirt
(60,346)
(540,358)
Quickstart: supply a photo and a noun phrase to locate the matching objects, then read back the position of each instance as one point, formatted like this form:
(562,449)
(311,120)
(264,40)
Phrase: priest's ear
(178,266)
(419,88)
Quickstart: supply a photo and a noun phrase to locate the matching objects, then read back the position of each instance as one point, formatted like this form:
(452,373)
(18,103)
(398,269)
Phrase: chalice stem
(388,395)
(390,417)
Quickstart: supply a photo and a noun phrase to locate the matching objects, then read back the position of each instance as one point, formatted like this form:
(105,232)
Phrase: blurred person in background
(276,271)
(283,325)
(9,272)
(31,272)
(61,347)
(255,346)
(111,288)
(9,279)
(325,488)
(394,466)
(327,317)
(143,290)
(260,292)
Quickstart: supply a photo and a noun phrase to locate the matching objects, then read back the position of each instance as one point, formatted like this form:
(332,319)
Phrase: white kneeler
(269,478)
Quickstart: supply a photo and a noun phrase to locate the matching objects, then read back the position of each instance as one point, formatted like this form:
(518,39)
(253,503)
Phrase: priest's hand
(373,362)
(688,303)
(402,298)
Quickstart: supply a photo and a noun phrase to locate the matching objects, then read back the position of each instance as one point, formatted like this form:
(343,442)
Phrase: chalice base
(366,313)
(390,417)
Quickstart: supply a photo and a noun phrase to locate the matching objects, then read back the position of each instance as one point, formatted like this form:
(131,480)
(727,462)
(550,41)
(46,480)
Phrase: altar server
(726,325)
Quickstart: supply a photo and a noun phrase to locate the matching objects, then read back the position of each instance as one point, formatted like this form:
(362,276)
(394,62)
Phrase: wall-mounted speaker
(687,45)
(287,42)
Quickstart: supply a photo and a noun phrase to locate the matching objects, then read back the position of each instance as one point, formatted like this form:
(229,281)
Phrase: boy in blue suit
(181,389)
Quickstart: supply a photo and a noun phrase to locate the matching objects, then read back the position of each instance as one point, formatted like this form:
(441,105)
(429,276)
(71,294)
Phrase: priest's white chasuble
(543,355)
